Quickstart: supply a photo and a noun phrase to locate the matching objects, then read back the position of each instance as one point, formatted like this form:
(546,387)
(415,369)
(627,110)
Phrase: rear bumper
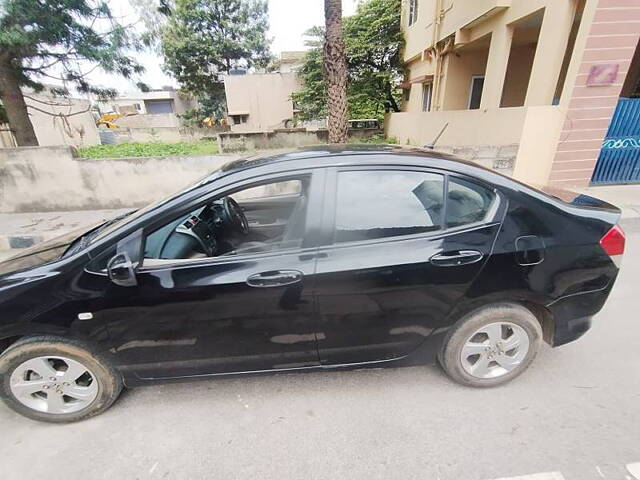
(570,330)
(572,315)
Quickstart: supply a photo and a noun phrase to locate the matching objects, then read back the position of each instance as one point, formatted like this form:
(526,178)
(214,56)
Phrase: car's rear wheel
(57,380)
(491,345)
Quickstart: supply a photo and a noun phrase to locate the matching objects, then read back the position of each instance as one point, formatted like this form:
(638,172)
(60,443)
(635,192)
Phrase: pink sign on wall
(603,74)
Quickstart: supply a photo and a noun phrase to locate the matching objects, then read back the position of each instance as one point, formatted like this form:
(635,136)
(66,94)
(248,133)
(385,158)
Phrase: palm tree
(335,65)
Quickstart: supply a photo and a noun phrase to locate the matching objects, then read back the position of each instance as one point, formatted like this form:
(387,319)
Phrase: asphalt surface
(576,411)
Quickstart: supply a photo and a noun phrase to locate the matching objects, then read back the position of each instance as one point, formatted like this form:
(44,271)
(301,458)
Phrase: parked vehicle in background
(317,259)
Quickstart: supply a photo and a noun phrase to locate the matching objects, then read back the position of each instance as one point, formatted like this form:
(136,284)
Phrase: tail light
(613,244)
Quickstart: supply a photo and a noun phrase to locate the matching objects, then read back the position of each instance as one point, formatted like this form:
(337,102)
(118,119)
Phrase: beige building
(155,102)
(261,102)
(535,81)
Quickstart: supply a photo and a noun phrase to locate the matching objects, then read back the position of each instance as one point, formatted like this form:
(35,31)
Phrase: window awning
(420,79)
(241,112)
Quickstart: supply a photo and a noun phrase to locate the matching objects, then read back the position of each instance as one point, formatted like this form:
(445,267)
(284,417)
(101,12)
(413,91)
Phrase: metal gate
(619,160)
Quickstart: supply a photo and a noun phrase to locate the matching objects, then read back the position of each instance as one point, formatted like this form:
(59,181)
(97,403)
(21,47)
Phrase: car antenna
(432,145)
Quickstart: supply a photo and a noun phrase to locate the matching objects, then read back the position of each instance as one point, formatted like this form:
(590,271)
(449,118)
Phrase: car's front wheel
(57,380)
(491,345)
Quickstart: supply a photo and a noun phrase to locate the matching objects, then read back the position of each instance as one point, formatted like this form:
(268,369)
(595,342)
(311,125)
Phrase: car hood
(41,253)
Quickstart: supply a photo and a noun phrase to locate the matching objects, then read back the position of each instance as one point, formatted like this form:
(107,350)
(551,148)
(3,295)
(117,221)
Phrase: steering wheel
(235,215)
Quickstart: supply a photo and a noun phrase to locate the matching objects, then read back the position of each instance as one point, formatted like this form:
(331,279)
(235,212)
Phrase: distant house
(261,102)
(163,101)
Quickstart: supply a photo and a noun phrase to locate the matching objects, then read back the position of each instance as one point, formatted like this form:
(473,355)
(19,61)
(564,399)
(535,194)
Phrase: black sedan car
(316,259)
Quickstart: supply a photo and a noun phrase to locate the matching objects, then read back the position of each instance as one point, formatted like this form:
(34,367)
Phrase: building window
(406,94)
(239,119)
(137,106)
(427,88)
(413,11)
(475,94)
(158,107)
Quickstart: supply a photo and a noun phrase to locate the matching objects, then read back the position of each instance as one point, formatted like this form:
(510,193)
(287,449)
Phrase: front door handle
(274,278)
(455,258)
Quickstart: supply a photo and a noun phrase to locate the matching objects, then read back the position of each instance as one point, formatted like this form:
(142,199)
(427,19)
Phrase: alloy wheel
(494,350)
(54,385)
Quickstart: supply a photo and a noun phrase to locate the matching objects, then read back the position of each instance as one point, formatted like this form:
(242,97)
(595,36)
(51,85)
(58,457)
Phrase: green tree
(374,42)
(205,39)
(52,40)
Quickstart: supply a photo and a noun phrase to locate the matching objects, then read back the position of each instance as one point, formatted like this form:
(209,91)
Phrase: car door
(234,313)
(397,258)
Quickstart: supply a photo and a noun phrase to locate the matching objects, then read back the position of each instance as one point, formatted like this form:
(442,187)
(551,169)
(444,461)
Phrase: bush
(379,138)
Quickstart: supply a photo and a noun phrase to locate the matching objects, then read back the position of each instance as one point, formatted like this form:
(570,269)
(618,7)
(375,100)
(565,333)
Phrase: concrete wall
(78,128)
(466,127)
(539,138)
(265,98)
(290,138)
(37,179)
(164,134)
(518,74)
(159,120)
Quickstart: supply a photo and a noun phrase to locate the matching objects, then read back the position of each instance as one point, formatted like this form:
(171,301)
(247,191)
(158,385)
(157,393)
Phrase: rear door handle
(455,258)
(274,278)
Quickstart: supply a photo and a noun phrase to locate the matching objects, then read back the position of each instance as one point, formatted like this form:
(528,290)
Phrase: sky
(288,20)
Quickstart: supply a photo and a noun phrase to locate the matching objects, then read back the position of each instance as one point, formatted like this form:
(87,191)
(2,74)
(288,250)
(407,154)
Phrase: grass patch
(378,139)
(151,149)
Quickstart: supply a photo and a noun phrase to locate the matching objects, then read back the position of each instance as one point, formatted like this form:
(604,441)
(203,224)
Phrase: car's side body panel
(204,319)
(380,301)
(381,289)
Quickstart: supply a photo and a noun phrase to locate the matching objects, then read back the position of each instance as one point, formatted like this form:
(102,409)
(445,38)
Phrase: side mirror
(121,271)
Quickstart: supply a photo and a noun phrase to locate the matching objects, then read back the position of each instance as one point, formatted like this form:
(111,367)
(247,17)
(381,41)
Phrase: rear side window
(467,202)
(387,203)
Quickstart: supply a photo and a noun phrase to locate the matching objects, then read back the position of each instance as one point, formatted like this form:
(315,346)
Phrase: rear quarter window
(467,202)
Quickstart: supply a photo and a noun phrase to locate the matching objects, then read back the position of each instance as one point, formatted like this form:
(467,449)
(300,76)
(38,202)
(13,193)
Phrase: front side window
(467,202)
(260,218)
(387,203)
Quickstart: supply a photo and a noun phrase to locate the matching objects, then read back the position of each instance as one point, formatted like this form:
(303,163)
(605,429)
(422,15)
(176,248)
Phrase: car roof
(344,154)
(341,155)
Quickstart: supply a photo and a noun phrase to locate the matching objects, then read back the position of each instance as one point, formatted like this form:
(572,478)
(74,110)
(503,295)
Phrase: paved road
(576,412)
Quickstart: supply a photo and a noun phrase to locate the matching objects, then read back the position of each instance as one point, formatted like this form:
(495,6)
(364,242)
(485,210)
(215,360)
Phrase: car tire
(491,345)
(38,382)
